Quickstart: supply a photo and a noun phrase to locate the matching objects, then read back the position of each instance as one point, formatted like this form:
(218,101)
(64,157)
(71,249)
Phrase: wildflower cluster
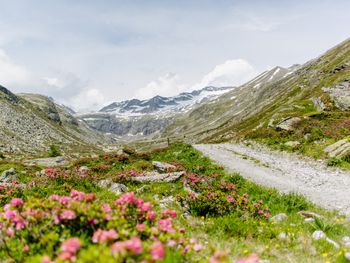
(129,228)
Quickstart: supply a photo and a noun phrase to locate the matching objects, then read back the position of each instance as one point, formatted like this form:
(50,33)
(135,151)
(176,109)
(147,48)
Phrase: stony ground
(324,186)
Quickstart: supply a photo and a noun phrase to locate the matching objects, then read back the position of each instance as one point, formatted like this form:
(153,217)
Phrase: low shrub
(54,151)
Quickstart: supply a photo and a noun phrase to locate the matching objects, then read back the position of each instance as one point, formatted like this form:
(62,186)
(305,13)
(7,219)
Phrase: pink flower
(26,248)
(134,245)
(133,173)
(46,259)
(260,212)
(166,225)
(253,258)
(101,236)
(157,251)
(106,208)
(20,224)
(197,247)
(76,195)
(267,214)
(145,207)
(71,245)
(17,202)
(171,213)
(230,199)
(140,227)
(67,215)
(151,215)
(10,232)
(11,214)
(171,243)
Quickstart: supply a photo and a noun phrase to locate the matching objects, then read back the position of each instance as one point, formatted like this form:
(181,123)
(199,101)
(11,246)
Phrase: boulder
(83,169)
(279,217)
(288,123)
(112,187)
(318,234)
(338,149)
(292,144)
(8,176)
(143,189)
(48,162)
(155,177)
(309,214)
(163,167)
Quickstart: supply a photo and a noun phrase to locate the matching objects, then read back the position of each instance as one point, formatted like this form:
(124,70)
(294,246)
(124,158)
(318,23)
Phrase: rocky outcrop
(155,177)
(340,94)
(8,176)
(288,123)
(163,167)
(338,149)
(48,162)
(112,187)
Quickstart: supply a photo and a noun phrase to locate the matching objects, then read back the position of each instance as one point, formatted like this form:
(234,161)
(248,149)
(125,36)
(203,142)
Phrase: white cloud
(13,75)
(88,100)
(167,85)
(231,73)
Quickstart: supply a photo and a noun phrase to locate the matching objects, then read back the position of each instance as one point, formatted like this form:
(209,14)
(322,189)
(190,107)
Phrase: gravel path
(326,187)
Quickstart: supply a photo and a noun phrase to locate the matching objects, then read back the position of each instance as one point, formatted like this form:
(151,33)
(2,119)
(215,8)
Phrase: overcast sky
(87,53)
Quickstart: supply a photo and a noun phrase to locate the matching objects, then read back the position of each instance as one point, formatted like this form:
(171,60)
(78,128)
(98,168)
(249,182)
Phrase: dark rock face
(8,94)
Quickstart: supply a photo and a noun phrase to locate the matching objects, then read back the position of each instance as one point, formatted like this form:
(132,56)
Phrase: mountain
(308,104)
(139,118)
(29,123)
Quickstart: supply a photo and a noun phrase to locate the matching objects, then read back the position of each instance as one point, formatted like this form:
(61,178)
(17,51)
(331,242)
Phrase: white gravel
(326,187)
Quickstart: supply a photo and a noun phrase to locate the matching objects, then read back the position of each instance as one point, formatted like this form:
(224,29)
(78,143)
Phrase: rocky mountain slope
(29,123)
(140,118)
(306,107)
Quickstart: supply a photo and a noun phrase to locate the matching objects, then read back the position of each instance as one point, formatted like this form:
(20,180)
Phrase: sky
(86,53)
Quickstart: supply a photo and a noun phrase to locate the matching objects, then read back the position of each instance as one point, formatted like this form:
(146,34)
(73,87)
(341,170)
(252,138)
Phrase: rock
(309,214)
(279,217)
(347,255)
(309,220)
(83,169)
(346,241)
(143,189)
(292,144)
(282,236)
(48,162)
(318,103)
(164,203)
(8,176)
(288,123)
(12,185)
(163,167)
(154,177)
(330,241)
(338,149)
(340,95)
(112,187)
(318,234)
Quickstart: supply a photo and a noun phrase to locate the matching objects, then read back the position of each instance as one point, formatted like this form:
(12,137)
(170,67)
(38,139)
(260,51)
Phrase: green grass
(235,233)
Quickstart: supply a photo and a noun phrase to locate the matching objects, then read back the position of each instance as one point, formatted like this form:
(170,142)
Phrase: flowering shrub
(60,228)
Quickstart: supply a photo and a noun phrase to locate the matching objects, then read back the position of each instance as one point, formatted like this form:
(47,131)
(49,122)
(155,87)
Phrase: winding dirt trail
(326,187)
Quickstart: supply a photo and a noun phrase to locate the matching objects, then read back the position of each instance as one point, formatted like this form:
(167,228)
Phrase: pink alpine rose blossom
(157,251)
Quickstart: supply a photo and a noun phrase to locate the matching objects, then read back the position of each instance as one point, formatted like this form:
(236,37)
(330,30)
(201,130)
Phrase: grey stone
(163,167)
(112,187)
(282,236)
(279,217)
(155,177)
(318,234)
(292,144)
(83,169)
(143,189)
(48,162)
(309,214)
(338,149)
(8,176)
(309,220)
(330,241)
(288,123)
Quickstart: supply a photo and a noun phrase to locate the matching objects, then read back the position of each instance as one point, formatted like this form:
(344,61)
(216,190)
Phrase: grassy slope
(234,233)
